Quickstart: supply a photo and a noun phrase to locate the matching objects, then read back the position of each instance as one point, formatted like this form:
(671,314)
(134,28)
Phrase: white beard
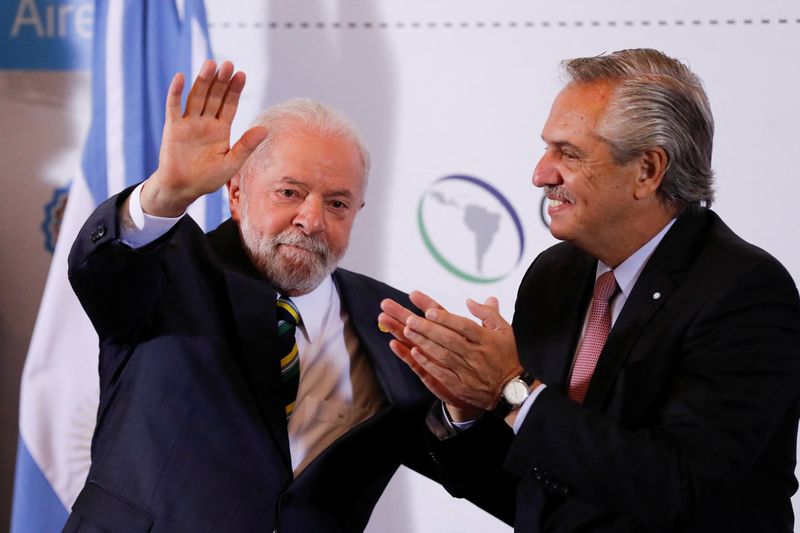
(292,261)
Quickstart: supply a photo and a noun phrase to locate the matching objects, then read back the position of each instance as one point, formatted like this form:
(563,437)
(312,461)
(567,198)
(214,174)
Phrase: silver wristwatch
(513,395)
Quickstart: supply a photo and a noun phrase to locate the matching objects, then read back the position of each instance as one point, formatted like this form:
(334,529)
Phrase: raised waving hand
(196,156)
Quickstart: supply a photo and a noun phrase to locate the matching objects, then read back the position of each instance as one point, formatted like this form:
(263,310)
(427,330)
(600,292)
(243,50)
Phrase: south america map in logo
(470,228)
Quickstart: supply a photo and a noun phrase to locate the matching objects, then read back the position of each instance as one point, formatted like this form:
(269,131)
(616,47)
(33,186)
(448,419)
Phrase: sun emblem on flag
(53,214)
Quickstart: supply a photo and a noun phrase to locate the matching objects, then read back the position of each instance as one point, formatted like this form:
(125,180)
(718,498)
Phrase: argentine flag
(138,46)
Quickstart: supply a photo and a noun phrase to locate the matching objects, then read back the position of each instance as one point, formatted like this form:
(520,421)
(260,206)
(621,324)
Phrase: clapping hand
(463,363)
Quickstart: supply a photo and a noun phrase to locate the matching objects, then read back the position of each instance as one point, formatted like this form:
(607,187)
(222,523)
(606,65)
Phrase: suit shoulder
(559,259)
(368,287)
(724,245)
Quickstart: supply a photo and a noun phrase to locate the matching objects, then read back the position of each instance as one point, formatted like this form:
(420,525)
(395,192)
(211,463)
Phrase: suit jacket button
(98,233)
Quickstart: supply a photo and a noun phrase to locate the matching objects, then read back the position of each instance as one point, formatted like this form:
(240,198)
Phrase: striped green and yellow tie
(288,320)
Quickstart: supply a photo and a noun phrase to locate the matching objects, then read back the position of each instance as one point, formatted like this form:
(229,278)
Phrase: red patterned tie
(596,334)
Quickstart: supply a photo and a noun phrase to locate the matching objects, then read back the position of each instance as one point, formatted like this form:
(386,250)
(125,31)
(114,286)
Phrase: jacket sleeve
(468,464)
(119,287)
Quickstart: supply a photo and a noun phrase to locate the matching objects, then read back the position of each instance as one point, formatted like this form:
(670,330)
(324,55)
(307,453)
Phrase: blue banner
(46,34)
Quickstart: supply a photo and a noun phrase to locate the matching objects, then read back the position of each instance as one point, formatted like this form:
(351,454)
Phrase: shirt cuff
(142,229)
(526,406)
(457,426)
(439,422)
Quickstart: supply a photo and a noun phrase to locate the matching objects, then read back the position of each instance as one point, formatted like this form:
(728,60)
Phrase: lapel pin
(656,295)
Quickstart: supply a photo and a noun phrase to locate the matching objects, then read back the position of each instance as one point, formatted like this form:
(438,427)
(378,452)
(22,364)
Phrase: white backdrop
(439,88)
(444,88)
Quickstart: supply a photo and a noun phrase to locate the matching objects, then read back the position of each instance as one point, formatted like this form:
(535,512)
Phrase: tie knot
(287,311)
(605,286)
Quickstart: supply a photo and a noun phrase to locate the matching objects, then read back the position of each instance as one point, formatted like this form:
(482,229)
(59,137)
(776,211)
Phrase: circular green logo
(470,229)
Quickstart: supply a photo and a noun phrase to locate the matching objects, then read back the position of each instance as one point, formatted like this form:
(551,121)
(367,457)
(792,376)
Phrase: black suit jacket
(690,420)
(191,434)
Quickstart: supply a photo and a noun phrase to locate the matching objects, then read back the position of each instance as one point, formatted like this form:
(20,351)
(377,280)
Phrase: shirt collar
(313,306)
(629,270)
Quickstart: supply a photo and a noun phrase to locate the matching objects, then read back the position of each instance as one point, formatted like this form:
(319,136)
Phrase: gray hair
(656,101)
(311,115)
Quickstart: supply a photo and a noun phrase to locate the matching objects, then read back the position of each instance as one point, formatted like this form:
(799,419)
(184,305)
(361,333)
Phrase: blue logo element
(46,34)
(470,229)
(53,215)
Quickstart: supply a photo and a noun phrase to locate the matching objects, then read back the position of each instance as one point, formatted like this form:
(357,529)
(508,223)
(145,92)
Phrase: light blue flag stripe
(36,506)
(94,154)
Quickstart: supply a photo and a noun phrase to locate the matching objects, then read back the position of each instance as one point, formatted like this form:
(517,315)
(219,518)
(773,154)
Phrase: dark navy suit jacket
(690,420)
(191,434)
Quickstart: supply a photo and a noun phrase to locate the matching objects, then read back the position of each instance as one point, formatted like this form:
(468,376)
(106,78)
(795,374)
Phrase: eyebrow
(563,144)
(327,194)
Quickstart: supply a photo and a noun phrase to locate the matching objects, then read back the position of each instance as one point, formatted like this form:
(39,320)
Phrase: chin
(559,233)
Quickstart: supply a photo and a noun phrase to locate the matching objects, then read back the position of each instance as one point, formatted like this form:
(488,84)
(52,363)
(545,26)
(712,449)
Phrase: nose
(310,217)
(545,172)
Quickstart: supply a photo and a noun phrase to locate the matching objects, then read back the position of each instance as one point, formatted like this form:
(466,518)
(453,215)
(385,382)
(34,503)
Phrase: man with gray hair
(651,377)
(244,383)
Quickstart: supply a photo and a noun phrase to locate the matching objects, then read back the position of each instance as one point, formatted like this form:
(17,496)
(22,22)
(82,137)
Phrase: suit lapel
(548,314)
(658,281)
(252,304)
(362,301)
(576,290)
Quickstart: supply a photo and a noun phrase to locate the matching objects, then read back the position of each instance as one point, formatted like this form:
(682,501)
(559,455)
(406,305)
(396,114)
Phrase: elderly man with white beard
(245,384)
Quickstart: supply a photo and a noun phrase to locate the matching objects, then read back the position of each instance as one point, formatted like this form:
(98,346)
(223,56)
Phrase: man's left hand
(467,363)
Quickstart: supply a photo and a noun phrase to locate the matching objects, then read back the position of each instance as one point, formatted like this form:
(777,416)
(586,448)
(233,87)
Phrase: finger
(391,325)
(431,383)
(233,94)
(447,350)
(488,313)
(219,87)
(464,327)
(246,144)
(395,310)
(174,94)
(423,301)
(196,100)
(440,381)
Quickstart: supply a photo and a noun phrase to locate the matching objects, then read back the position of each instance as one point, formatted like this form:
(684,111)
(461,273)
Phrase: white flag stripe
(115,98)
(60,384)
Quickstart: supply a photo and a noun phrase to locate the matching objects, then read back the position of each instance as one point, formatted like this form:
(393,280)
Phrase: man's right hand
(196,157)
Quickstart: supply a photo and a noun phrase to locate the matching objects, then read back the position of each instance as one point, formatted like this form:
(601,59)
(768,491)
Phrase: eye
(287,193)
(338,204)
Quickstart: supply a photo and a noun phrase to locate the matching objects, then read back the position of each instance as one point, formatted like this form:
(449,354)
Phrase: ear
(234,196)
(652,167)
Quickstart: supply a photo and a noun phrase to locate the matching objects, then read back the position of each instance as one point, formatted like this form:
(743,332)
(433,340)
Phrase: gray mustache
(558,192)
(300,240)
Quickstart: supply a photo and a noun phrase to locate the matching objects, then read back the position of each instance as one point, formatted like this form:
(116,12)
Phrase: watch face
(515,392)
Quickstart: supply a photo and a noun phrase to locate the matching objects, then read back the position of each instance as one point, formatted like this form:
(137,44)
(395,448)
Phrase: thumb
(492,302)
(488,313)
(246,144)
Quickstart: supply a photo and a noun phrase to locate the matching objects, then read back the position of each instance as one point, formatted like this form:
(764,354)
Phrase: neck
(624,242)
